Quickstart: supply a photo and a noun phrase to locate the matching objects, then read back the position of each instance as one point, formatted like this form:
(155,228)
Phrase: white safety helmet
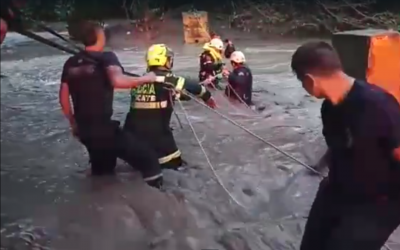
(238,57)
(217,44)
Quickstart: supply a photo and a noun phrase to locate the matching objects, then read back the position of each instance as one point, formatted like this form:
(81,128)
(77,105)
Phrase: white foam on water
(260,50)
(49,83)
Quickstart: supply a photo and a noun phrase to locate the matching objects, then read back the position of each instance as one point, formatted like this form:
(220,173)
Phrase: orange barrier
(384,63)
(372,55)
(195,27)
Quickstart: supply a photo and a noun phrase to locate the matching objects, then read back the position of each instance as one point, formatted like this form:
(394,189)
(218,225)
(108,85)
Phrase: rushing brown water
(47,201)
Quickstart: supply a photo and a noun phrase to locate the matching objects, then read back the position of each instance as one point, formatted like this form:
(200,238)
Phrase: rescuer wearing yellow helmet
(152,105)
(211,64)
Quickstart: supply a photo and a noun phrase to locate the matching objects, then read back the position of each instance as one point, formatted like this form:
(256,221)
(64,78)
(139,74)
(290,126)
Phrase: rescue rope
(173,110)
(240,98)
(257,136)
(58,46)
(219,181)
(54,33)
(218,91)
(178,119)
(251,133)
(65,49)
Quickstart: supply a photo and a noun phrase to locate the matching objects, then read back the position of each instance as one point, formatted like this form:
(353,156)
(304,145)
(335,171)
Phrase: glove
(225,73)
(209,80)
(211,103)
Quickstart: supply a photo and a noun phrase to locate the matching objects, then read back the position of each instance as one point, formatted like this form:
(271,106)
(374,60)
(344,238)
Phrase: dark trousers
(336,225)
(241,95)
(157,134)
(107,142)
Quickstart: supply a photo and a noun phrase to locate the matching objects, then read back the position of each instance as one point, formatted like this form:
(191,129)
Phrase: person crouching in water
(211,64)
(152,106)
(240,80)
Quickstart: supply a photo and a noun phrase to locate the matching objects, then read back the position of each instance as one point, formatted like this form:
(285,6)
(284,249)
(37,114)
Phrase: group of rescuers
(146,141)
(357,206)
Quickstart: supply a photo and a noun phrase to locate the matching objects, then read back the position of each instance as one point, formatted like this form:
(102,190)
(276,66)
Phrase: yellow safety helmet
(159,55)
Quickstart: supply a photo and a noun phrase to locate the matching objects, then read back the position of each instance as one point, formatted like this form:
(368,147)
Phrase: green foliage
(57,10)
(398,23)
(61,10)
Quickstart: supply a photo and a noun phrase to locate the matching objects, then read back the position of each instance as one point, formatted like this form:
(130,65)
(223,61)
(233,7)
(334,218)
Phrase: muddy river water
(48,202)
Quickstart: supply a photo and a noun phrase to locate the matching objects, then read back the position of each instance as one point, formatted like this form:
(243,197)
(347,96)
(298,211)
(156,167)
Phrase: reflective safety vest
(217,57)
(150,115)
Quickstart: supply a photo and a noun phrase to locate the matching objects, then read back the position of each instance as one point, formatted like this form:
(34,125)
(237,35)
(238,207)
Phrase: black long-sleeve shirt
(240,84)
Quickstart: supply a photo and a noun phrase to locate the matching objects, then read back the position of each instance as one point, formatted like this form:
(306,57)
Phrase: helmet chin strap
(171,63)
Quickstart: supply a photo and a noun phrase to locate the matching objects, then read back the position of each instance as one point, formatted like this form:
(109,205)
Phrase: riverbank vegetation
(277,17)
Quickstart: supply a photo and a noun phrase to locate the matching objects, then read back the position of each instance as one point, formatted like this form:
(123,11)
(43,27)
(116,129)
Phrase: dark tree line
(53,10)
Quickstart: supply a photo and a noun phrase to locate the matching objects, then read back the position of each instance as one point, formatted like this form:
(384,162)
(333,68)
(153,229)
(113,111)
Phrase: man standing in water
(151,106)
(358,205)
(91,86)
(240,80)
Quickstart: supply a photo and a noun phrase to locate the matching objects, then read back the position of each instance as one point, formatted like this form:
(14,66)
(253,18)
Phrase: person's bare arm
(65,102)
(121,81)
(115,73)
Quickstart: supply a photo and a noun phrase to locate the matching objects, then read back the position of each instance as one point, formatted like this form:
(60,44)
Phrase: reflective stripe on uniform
(160,79)
(180,84)
(154,177)
(170,157)
(203,91)
(150,105)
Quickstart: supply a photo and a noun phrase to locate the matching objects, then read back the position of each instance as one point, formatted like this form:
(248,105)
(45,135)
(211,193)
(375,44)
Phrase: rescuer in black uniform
(240,80)
(152,106)
(211,64)
(358,205)
(91,86)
